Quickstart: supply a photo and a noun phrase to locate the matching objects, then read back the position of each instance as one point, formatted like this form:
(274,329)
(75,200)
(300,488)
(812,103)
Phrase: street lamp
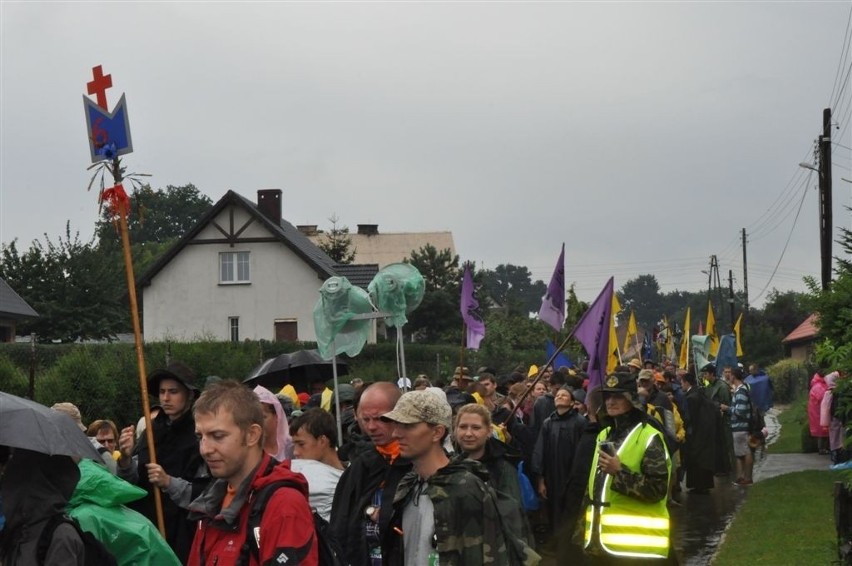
(808,166)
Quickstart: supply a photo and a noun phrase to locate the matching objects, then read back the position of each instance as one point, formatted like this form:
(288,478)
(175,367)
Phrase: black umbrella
(298,369)
(30,425)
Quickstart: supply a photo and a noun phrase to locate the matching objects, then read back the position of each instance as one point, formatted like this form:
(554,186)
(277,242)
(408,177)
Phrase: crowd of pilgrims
(535,431)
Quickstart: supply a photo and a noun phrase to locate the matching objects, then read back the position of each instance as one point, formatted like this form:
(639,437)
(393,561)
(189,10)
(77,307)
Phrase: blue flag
(560,360)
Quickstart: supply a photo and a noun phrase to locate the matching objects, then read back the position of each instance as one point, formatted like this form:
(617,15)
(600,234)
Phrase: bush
(790,379)
(12,379)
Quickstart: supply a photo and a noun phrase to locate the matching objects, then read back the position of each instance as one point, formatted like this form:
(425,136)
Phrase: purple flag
(593,333)
(470,312)
(552,309)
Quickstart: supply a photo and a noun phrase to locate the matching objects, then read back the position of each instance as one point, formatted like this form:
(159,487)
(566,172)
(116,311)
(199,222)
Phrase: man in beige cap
(443,511)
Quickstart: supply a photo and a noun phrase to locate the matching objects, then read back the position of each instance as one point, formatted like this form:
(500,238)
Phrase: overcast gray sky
(643,135)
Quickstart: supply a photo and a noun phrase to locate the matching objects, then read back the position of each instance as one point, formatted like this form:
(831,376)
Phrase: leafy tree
(159,215)
(511,287)
(438,317)
(642,295)
(507,334)
(337,244)
(79,292)
(835,304)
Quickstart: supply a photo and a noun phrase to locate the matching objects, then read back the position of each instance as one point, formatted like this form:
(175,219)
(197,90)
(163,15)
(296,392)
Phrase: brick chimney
(269,204)
(368,229)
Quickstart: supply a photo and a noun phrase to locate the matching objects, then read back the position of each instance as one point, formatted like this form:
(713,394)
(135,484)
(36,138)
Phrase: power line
(844,52)
(793,227)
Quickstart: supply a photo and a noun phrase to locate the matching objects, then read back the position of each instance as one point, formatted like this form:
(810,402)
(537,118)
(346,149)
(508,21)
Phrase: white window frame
(235,268)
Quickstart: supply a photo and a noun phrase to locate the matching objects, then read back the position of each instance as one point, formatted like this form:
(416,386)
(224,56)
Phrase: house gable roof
(805,331)
(285,232)
(12,305)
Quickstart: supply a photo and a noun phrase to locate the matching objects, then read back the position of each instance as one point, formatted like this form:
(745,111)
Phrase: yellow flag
(737,334)
(710,330)
(632,332)
(683,362)
(613,359)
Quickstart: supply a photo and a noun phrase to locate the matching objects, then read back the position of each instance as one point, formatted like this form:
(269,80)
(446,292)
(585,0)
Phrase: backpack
(95,552)
(756,420)
(656,418)
(329,553)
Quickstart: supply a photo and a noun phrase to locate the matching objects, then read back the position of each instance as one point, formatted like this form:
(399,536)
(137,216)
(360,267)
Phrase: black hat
(176,370)
(621,382)
(709,366)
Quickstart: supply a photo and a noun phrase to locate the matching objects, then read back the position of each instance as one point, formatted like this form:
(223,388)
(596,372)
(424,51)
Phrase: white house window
(234,267)
(234,328)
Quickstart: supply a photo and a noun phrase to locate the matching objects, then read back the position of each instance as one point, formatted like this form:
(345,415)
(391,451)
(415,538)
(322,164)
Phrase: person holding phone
(627,517)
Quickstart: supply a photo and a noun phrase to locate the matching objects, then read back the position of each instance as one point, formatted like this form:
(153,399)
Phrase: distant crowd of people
(489,469)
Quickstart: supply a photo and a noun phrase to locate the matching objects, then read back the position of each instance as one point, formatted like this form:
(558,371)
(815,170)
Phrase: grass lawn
(788,519)
(792,418)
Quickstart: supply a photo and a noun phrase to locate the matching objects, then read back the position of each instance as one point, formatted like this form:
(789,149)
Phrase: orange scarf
(390,451)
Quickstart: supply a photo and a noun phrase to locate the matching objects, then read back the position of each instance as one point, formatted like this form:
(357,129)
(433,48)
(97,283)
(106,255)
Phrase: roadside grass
(792,418)
(787,519)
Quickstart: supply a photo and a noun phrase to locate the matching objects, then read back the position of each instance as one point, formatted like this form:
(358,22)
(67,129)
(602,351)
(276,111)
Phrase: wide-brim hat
(619,383)
(635,363)
(178,371)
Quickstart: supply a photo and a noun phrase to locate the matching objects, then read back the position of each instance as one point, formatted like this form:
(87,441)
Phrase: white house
(242,272)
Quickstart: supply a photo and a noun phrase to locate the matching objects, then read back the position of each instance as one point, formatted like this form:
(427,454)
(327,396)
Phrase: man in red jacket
(229,425)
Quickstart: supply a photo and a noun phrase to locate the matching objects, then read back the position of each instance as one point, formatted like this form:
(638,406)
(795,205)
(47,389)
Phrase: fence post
(843,521)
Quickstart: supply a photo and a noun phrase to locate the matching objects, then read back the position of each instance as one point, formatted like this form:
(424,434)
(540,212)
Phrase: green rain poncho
(98,505)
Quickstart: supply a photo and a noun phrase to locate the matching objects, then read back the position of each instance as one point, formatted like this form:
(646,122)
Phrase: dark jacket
(501,461)
(554,454)
(355,492)
(287,532)
(35,488)
(577,483)
(699,451)
(177,453)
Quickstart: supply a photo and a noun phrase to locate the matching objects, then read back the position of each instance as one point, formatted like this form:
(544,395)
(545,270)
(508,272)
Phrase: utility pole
(825,214)
(745,272)
(731,294)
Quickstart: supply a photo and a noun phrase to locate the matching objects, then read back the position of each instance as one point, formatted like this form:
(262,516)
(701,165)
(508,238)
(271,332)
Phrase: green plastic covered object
(336,332)
(397,289)
(98,505)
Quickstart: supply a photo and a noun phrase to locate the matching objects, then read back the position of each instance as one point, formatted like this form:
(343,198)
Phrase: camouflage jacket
(649,484)
(468,526)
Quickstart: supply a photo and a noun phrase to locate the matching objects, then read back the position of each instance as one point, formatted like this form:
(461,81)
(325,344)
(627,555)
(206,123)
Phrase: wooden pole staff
(137,335)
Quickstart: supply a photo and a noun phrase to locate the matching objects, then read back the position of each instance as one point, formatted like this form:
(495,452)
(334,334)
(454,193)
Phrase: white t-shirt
(418,528)
(322,481)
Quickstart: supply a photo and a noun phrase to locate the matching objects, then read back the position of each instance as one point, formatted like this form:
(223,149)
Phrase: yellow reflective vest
(625,526)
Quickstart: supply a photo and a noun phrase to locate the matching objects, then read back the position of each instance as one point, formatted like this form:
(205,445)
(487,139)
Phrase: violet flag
(470,312)
(552,309)
(592,331)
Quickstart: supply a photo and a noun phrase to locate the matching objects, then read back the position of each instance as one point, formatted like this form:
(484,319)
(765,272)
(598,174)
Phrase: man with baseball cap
(444,512)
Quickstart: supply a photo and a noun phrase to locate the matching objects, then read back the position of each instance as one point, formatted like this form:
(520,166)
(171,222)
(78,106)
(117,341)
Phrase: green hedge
(790,379)
(103,379)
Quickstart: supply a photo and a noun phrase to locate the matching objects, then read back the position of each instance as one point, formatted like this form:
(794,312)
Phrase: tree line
(79,287)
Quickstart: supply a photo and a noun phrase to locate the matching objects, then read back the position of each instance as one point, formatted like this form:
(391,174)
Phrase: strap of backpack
(258,500)
(46,536)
